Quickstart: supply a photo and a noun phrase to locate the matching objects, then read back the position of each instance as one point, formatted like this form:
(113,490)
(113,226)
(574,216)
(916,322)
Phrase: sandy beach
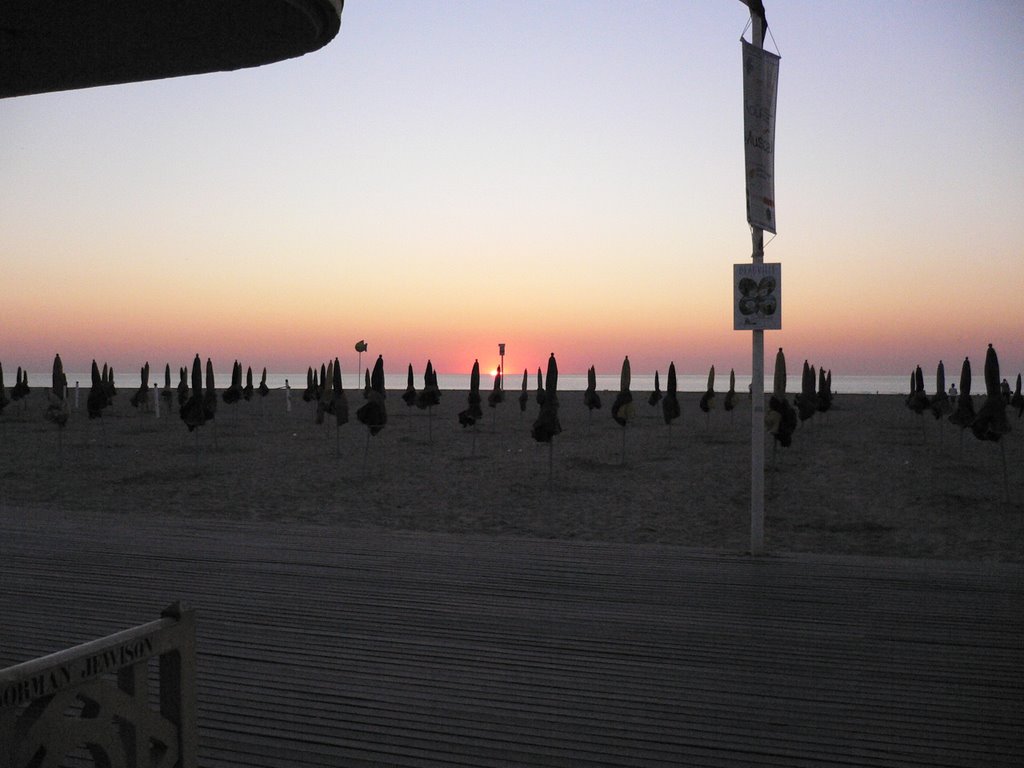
(869,477)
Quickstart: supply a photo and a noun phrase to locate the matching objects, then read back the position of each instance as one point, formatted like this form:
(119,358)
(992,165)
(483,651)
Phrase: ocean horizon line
(852,384)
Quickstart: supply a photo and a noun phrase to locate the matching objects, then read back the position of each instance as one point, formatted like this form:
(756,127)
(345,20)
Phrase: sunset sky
(559,176)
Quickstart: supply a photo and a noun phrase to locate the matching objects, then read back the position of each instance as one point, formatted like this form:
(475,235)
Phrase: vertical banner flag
(760,87)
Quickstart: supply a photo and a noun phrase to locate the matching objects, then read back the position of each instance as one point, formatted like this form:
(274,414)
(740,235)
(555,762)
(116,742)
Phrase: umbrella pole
(337,440)
(551,463)
(366,451)
(623,461)
(430,424)
(1006,477)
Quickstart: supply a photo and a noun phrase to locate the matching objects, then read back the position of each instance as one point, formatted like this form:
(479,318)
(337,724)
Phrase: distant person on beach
(952,394)
(1004,390)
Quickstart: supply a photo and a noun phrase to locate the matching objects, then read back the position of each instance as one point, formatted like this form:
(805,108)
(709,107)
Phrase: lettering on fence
(96,696)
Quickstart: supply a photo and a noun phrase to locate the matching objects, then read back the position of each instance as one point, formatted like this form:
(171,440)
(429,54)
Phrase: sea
(571,382)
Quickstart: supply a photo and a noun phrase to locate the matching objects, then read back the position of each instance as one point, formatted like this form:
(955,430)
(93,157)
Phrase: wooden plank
(322,646)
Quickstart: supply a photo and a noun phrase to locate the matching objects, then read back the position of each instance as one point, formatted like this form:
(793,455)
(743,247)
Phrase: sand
(868,478)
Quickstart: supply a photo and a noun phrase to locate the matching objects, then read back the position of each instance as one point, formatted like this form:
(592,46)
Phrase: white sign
(760,88)
(757,297)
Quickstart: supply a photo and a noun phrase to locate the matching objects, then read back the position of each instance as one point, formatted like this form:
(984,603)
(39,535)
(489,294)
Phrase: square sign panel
(757,297)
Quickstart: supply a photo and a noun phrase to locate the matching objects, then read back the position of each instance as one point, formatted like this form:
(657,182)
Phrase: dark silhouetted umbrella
(991,422)
(108,377)
(21,389)
(57,409)
(167,394)
(824,391)
(917,400)
(939,402)
(3,391)
(622,406)
(141,395)
(373,413)
(248,389)
(233,393)
(430,395)
(707,400)
(547,424)
(807,400)
(210,396)
(1017,401)
(325,403)
(366,384)
(963,415)
(182,386)
(193,411)
(730,397)
(655,396)
(263,389)
(590,397)
(670,410)
(540,387)
(409,396)
(524,396)
(339,406)
(98,394)
(309,394)
(781,418)
(473,412)
(497,394)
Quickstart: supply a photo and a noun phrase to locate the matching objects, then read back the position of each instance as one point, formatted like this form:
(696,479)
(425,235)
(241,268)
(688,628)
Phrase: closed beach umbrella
(182,385)
(1017,401)
(730,396)
(210,396)
(98,398)
(707,400)
(167,394)
(918,400)
(3,390)
(430,395)
(547,424)
(622,407)
(473,412)
(670,404)
(939,403)
(366,384)
(540,387)
(991,422)
(963,414)
(233,393)
(655,396)
(193,411)
(590,397)
(807,400)
(141,395)
(57,407)
(409,396)
(309,394)
(247,392)
(263,389)
(325,404)
(524,396)
(373,412)
(497,391)
(824,391)
(781,418)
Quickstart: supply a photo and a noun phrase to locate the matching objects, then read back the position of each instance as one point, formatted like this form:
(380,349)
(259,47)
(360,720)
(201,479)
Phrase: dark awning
(56,45)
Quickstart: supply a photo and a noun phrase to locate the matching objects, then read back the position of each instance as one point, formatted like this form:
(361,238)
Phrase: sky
(560,176)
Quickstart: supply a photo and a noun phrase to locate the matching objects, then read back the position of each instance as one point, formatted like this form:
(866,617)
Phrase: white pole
(757,383)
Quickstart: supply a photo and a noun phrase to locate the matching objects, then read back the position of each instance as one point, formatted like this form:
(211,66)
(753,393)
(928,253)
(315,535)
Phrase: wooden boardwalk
(330,647)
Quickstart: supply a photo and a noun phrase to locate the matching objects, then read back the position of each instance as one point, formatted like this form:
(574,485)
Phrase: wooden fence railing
(99,697)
